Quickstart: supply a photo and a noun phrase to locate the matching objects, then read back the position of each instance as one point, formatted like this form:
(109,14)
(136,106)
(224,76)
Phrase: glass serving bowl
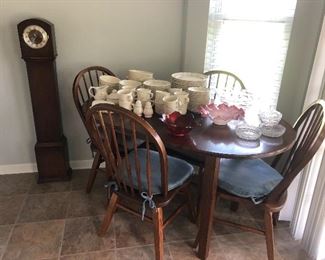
(221,114)
(270,117)
(248,132)
(178,124)
(273,130)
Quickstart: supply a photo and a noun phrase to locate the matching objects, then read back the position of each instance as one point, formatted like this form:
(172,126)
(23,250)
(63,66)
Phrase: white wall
(120,34)
(196,27)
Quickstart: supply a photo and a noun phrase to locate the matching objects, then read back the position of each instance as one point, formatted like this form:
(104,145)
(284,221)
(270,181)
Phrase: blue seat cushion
(248,178)
(178,171)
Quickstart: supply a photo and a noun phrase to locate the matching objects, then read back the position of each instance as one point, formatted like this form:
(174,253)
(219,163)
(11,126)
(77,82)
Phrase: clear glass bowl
(270,117)
(272,131)
(248,132)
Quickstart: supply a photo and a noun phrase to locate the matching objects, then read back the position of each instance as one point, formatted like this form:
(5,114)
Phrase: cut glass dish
(272,131)
(248,132)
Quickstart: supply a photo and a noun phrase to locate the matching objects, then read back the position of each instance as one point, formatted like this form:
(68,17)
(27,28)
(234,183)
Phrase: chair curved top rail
(310,128)
(105,122)
(229,78)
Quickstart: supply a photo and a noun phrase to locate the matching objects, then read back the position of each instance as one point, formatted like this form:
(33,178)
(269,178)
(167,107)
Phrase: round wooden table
(212,143)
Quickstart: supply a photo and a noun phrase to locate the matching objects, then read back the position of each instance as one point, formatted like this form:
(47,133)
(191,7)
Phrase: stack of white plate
(198,96)
(155,85)
(186,80)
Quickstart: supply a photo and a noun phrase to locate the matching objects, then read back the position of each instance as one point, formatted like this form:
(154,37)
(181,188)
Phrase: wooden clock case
(51,148)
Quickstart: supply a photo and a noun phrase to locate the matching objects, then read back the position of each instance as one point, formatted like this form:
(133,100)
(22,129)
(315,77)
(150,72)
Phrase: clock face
(35,36)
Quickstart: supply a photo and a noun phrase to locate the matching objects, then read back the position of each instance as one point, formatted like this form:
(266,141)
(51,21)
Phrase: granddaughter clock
(37,43)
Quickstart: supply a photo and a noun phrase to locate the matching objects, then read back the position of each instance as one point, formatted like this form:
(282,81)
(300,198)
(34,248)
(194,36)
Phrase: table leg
(207,203)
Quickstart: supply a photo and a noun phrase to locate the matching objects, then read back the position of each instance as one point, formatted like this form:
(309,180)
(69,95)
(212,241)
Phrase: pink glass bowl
(221,114)
(178,124)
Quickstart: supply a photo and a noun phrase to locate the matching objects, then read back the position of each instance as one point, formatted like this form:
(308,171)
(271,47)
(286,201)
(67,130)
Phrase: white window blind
(250,39)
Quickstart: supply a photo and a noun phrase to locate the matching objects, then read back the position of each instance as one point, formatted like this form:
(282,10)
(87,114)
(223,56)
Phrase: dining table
(212,143)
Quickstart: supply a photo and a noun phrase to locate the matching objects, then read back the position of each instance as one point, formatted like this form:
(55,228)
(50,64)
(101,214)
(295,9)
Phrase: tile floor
(59,221)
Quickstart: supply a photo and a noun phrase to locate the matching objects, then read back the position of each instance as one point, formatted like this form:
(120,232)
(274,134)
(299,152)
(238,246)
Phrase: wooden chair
(310,129)
(84,79)
(221,79)
(143,177)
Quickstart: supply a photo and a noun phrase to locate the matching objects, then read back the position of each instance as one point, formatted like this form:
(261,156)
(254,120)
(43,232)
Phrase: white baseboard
(31,167)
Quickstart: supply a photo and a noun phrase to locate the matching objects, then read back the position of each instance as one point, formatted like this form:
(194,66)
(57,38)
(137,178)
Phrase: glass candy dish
(178,124)
(221,114)
(273,130)
(248,132)
(270,117)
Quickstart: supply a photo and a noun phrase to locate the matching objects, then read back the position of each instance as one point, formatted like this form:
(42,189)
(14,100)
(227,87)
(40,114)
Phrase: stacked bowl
(186,80)
(155,85)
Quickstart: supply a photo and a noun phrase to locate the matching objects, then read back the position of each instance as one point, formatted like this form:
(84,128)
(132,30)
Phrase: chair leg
(109,214)
(93,172)
(269,236)
(199,196)
(190,206)
(275,218)
(158,222)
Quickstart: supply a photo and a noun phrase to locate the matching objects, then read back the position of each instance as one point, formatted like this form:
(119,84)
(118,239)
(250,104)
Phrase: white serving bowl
(155,85)
(129,82)
(107,80)
(139,75)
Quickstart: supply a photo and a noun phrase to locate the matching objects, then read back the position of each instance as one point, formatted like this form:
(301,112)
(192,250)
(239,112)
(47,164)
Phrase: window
(250,38)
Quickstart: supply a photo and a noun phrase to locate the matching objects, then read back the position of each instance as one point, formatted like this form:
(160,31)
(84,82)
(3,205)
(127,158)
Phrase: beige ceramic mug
(171,104)
(125,95)
(159,104)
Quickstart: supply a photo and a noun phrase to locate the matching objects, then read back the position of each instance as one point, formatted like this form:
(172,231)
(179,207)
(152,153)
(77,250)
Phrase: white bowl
(133,83)
(139,75)
(155,85)
(108,80)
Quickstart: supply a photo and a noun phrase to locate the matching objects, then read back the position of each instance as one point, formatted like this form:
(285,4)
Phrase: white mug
(132,88)
(125,95)
(171,104)
(184,99)
(160,95)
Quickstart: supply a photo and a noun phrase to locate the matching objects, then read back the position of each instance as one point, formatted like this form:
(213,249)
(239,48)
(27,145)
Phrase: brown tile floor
(59,221)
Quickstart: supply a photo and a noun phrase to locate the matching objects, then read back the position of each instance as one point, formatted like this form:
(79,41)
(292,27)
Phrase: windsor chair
(142,177)
(254,183)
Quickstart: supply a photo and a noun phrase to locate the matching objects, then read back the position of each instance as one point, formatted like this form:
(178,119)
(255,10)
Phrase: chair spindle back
(224,80)
(310,128)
